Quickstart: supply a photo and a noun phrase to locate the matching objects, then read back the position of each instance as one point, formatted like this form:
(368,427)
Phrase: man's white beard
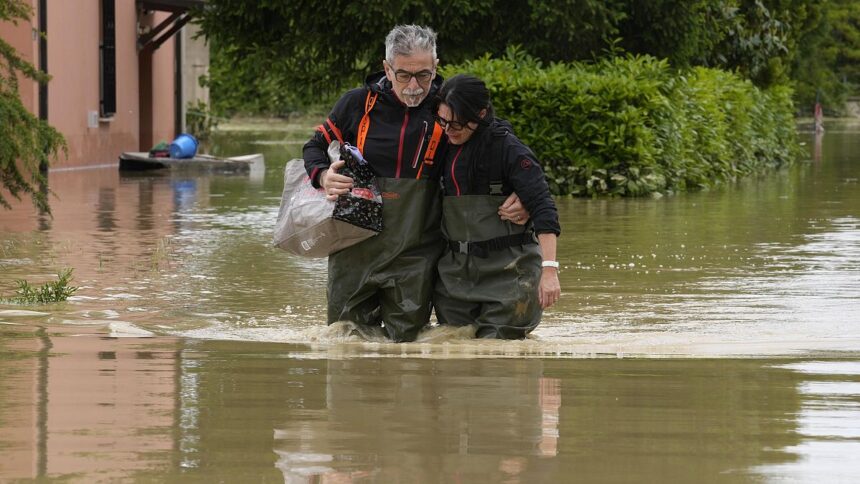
(412,97)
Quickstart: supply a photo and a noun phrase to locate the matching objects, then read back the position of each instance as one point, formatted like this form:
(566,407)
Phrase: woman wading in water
(494,274)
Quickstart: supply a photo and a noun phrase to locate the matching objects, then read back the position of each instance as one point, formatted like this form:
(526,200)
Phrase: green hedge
(633,126)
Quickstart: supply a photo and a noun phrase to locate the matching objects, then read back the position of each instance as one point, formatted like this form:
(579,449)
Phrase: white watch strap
(549,263)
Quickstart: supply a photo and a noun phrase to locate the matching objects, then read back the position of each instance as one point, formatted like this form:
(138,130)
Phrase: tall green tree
(844,19)
(759,39)
(684,32)
(287,53)
(827,66)
(291,52)
(26,142)
(815,71)
(763,38)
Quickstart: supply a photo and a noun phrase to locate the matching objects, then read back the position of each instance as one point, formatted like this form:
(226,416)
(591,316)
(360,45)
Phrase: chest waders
(389,278)
(490,271)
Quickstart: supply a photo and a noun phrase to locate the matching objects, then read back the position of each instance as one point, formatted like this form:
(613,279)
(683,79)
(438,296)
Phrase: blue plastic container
(184,146)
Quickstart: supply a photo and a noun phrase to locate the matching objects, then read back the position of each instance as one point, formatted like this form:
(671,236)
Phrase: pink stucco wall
(21,38)
(163,88)
(73,61)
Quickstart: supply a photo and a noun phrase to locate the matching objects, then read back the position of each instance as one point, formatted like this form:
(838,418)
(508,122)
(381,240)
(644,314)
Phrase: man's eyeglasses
(406,76)
(455,125)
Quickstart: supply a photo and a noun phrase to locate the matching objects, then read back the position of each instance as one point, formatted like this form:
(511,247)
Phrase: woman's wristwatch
(549,263)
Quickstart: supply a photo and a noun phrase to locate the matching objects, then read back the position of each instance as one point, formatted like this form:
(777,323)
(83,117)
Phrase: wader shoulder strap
(430,153)
(364,125)
(497,164)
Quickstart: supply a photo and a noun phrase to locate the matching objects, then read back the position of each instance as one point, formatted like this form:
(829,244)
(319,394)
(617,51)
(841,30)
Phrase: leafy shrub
(53,291)
(632,126)
(200,121)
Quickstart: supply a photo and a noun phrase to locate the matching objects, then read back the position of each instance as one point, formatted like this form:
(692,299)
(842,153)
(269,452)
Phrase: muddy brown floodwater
(703,337)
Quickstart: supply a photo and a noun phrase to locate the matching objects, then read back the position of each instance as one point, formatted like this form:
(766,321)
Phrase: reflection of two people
(818,118)
(395,420)
(818,124)
(817,146)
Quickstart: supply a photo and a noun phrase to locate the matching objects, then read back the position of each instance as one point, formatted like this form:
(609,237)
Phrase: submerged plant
(52,291)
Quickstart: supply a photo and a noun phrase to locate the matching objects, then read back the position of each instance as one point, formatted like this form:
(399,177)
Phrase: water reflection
(488,421)
(491,420)
(829,423)
(85,406)
(145,203)
(184,194)
(818,146)
(105,218)
(75,405)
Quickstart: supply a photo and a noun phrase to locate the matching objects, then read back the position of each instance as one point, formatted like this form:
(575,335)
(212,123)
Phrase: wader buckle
(477,249)
(483,248)
(463,247)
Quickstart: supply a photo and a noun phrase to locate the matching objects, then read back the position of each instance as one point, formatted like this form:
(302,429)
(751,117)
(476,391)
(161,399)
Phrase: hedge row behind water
(633,126)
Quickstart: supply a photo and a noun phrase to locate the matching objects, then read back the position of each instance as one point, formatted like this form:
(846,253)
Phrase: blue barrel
(184,146)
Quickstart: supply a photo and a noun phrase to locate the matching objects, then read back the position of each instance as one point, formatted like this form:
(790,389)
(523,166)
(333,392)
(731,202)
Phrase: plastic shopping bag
(306,225)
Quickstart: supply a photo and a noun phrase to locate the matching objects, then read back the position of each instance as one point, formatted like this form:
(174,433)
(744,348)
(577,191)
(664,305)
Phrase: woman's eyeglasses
(455,125)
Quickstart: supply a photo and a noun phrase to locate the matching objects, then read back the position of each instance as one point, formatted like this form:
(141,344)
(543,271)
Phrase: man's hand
(512,209)
(334,183)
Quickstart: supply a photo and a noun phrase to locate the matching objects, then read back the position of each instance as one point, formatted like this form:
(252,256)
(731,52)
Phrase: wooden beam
(176,6)
(147,38)
(156,43)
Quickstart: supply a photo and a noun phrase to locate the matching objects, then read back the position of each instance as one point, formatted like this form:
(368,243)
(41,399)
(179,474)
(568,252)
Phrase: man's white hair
(407,39)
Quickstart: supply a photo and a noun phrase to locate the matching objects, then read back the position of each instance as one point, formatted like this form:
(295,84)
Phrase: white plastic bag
(305,225)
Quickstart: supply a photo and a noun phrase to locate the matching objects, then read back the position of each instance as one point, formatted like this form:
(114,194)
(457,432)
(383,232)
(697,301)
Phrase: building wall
(195,63)
(73,60)
(73,93)
(21,37)
(163,89)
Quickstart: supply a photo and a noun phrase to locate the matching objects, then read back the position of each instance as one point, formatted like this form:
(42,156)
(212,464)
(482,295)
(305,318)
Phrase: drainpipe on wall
(43,66)
(178,108)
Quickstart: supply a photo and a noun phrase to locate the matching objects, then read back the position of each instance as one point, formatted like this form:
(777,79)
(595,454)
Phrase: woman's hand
(550,288)
(333,182)
(512,209)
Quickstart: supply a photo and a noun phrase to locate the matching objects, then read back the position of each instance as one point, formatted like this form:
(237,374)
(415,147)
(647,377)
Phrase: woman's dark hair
(466,96)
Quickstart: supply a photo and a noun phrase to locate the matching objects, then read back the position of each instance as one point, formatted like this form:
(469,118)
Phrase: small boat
(141,161)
